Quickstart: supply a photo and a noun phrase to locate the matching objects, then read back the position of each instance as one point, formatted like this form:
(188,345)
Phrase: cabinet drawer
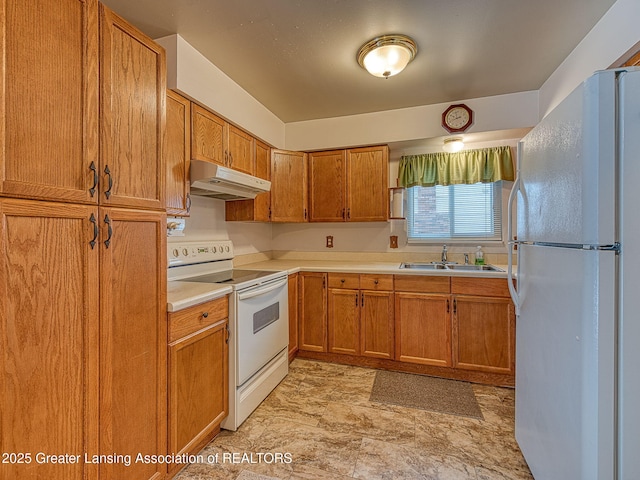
(376,282)
(422,284)
(487,287)
(194,318)
(344,280)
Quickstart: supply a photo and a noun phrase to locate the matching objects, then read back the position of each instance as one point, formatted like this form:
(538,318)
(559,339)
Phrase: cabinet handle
(324,282)
(305,213)
(375,281)
(107,192)
(455,306)
(93,168)
(342,280)
(226,158)
(93,220)
(228,333)
(188,202)
(230,158)
(447,305)
(107,220)
(205,314)
(356,299)
(343,213)
(362,299)
(348,213)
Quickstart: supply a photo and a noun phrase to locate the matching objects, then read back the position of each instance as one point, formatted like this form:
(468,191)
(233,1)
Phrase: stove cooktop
(231,277)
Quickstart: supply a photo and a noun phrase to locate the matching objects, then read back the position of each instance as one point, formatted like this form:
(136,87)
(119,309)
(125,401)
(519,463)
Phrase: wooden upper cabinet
(327,186)
(49,100)
(132,115)
(367,184)
(207,133)
(257,209)
(240,150)
(217,141)
(288,186)
(49,330)
(177,154)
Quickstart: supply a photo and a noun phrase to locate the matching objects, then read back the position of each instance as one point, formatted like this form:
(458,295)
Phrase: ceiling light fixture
(387,55)
(453,144)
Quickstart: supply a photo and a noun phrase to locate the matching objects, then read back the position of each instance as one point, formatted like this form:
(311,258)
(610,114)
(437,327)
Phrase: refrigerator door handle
(511,244)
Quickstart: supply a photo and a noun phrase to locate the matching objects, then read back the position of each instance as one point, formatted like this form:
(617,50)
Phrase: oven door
(262,326)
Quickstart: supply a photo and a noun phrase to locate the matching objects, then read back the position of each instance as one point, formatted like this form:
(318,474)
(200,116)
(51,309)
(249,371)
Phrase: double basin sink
(450,266)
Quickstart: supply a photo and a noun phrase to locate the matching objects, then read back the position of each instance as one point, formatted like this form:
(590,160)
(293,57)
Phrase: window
(455,212)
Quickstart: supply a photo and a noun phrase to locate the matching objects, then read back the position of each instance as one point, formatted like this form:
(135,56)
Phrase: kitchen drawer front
(486,287)
(344,280)
(422,283)
(195,318)
(376,282)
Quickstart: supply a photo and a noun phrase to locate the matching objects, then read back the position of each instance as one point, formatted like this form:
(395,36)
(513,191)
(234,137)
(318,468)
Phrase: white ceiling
(297,57)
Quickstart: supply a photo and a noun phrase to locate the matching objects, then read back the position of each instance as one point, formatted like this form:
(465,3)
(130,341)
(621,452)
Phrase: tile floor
(319,424)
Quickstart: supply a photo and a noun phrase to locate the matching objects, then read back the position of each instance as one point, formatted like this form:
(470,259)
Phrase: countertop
(392,268)
(183,294)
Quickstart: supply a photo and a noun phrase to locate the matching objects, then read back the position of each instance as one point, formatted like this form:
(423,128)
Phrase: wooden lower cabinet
(423,328)
(49,283)
(484,334)
(293,315)
(133,333)
(313,311)
(376,324)
(344,321)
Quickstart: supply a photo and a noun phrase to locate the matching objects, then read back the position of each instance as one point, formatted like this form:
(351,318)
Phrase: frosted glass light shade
(453,145)
(387,55)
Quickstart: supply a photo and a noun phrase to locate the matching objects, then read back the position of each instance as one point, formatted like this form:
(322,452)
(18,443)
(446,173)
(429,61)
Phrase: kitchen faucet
(444,254)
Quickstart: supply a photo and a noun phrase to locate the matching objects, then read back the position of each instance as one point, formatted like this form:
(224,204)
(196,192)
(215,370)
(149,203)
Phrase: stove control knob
(185,252)
(176,253)
(213,249)
(226,248)
(221,248)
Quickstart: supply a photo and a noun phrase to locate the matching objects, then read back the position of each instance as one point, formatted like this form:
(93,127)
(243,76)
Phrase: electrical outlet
(393,241)
(329,241)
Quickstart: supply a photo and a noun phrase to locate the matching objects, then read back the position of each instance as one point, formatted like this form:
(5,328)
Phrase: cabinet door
(132,115)
(484,334)
(48,336)
(327,182)
(288,186)
(293,315)
(177,154)
(198,386)
(376,324)
(49,105)
(133,340)
(344,321)
(240,150)
(423,329)
(367,184)
(207,136)
(313,311)
(259,208)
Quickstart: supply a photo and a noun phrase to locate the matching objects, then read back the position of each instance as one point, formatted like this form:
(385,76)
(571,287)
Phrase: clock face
(457,118)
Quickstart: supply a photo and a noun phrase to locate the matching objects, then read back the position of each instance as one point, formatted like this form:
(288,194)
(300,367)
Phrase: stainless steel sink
(486,268)
(449,266)
(424,266)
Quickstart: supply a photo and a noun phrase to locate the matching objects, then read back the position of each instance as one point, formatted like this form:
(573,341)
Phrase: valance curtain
(484,165)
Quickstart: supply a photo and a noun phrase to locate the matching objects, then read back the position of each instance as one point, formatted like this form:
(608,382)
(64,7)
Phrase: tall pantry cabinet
(82,241)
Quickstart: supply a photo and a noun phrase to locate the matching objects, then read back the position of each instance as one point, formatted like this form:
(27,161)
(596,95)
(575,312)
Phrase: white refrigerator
(577,296)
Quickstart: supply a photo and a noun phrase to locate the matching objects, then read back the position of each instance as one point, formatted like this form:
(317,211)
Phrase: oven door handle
(262,289)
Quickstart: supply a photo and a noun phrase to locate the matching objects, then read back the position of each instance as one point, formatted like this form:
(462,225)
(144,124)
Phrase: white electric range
(258,320)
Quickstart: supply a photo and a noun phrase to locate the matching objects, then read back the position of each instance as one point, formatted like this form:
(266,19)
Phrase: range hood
(216,181)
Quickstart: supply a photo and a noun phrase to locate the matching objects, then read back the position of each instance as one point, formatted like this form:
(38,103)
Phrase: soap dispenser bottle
(479,256)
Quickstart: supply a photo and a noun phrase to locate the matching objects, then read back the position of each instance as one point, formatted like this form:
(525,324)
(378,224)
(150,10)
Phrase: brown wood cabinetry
(198,376)
(259,208)
(217,141)
(313,311)
(483,326)
(49,283)
(133,407)
(49,102)
(327,186)
(288,186)
(360,317)
(368,184)
(349,185)
(132,115)
(293,316)
(83,282)
(177,154)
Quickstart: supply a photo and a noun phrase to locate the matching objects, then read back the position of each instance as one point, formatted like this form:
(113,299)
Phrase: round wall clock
(457,118)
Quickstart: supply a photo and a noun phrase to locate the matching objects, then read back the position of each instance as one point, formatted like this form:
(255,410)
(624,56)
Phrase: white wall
(616,34)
